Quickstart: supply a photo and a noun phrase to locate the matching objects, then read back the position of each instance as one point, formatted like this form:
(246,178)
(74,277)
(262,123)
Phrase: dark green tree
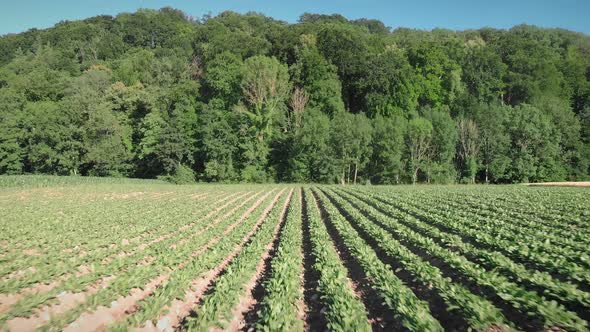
(387,165)
(391,84)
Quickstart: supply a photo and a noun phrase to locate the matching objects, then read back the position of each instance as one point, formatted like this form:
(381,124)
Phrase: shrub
(182,175)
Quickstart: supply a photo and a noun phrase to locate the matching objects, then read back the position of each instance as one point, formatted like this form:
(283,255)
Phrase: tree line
(247,98)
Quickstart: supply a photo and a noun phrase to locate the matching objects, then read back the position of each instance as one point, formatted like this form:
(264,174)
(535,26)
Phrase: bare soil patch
(178,309)
(67,301)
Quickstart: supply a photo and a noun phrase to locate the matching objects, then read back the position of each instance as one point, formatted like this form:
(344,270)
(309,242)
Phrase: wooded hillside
(249,98)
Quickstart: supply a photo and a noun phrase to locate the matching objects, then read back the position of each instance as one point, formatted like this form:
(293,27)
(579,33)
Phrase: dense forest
(247,98)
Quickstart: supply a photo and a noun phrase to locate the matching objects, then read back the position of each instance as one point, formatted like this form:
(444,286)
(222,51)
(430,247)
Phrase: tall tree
(468,147)
(534,146)
(265,90)
(419,141)
(312,72)
(218,143)
(310,158)
(387,162)
(444,141)
(391,84)
(483,73)
(350,139)
(346,47)
(108,144)
(12,151)
(494,141)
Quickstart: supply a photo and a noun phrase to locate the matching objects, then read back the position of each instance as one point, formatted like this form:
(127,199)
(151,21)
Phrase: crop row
(496,238)
(550,312)
(178,261)
(128,273)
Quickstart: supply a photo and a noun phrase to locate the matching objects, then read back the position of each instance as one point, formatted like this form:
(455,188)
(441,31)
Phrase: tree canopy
(245,97)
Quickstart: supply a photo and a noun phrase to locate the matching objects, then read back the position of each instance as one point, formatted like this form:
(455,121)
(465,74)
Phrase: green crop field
(84,254)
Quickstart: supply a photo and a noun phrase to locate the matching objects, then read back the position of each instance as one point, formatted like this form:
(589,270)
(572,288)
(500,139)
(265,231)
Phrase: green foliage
(345,46)
(241,35)
(419,142)
(387,163)
(483,72)
(181,175)
(534,145)
(390,82)
(350,139)
(224,78)
(218,143)
(108,151)
(310,158)
(440,168)
(265,89)
(54,142)
(494,140)
(12,152)
(244,97)
(317,76)
(193,257)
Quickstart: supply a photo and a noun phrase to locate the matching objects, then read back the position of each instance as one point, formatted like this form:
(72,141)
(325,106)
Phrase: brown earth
(247,301)
(102,317)
(180,309)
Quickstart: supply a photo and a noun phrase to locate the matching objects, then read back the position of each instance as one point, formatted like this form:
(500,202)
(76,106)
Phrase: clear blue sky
(21,15)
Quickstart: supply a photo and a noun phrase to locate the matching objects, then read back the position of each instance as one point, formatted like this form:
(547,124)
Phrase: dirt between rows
(247,301)
(70,300)
(102,317)
(179,309)
(67,301)
(8,300)
(81,253)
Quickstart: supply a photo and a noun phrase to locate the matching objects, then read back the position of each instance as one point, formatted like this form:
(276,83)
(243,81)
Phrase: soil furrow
(380,316)
(179,310)
(314,320)
(67,301)
(245,312)
(101,318)
(7,300)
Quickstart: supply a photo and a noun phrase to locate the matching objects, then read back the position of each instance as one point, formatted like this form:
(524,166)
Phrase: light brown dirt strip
(199,196)
(170,234)
(126,195)
(124,242)
(234,225)
(138,238)
(180,309)
(7,300)
(163,237)
(229,199)
(11,299)
(102,317)
(247,301)
(217,220)
(67,301)
(18,274)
